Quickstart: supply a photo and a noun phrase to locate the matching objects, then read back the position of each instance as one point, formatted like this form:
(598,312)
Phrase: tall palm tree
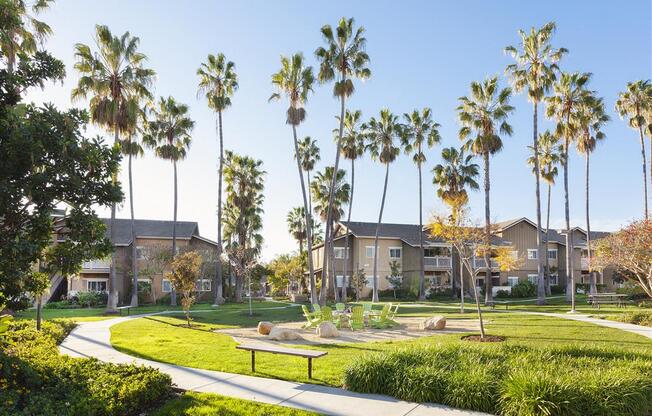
(569,92)
(26,32)
(296,221)
(321,192)
(590,120)
(294,80)
(382,135)
(635,103)
(549,153)
(309,154)
(457,172)
(352,147)
(218,81)
(483,116)
(116,81)
(168,133)
(342,59)
(420,131)
(535,71)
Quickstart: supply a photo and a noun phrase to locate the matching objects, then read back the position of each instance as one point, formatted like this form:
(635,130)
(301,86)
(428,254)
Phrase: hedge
(36,379)
(511,380)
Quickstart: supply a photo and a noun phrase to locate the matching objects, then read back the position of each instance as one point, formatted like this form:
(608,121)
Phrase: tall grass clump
(512,380)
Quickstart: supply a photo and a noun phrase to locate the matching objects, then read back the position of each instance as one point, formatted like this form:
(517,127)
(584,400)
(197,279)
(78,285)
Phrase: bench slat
(282,350)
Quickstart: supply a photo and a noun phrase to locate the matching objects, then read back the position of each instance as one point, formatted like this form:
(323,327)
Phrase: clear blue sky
(422,54)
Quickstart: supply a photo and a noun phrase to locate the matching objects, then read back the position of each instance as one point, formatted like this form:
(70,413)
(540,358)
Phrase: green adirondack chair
(340,307)
(316,309)
(357,318)
(393,310)
(313,320)
(382,321)
(367,308)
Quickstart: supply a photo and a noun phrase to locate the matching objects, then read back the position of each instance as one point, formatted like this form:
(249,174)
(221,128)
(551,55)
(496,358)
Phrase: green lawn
(163,338)
(204,404)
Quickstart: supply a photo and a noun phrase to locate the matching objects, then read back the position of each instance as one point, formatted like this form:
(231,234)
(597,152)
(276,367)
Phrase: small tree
(185,272)
(395,279)
(37,285)
(359,282)
(157,259)
(630,252)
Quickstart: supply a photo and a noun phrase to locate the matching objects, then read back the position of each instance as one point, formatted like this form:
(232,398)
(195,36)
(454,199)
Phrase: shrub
(401,294)
(440,292)
(90,299)
(511,380)
(557,289)
(502,294)
(637,317)
(62,304)
(524,289)
(35,379)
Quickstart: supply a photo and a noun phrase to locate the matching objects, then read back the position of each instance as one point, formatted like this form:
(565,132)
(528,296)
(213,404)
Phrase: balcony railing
(96,265)
(481,264)
(440,262)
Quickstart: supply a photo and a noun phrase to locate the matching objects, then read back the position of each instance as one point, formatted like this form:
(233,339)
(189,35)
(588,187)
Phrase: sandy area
(407,328)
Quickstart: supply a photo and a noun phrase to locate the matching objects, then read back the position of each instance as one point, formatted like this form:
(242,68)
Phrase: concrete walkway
(93,339)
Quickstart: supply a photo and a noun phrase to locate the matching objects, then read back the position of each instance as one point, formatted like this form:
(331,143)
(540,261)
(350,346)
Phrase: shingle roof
(554,235)
(149,228)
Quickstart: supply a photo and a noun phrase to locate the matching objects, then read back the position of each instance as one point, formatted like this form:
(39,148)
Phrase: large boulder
(283,334)
(327,330)
(264,327)
(436,322)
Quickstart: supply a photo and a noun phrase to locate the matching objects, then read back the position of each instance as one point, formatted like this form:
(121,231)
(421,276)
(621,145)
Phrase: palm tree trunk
(570,275)
(173,293)
(331,270)
(640,131)
(422,278)
(548,290)
(219,296)
(134,256)
(488,286)
(380,218)
(461,281)
(593,287)
(306,208)
(112,298)
(541,285)
(348,221)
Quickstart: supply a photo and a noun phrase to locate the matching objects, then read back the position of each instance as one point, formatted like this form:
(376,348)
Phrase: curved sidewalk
(93,339)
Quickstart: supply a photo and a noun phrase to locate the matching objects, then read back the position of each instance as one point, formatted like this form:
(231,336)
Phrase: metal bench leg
(253,361)
(309,367)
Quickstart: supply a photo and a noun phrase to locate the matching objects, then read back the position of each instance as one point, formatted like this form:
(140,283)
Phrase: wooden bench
(127,308)
(500,302)
(607,299)
(309,354)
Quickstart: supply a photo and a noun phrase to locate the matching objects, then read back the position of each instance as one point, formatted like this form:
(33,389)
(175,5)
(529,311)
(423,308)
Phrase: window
(369,251)
(340,281)
(532,254)
(495,278)
(339,252)
(429,252)
(533,278)
(203,285)
(96,285)
(395,252)
(370,282)
(512,281)
(166,286)
(479,282)
(554,279)
(552,253)
(141,252)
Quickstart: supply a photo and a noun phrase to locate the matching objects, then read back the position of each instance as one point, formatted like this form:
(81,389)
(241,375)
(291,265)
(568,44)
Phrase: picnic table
(273,349)
(597,299)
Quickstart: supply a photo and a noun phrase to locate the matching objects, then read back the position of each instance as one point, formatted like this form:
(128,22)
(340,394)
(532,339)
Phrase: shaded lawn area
(205,404)
(165,339)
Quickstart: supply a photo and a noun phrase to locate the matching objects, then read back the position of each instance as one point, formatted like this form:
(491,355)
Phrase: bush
(91,299)
(511,380)
(633,292)
(62,304)
(401,294)
(524,289)
(638,318)
(557,289)
(502,294)
(35,379)
(440,292)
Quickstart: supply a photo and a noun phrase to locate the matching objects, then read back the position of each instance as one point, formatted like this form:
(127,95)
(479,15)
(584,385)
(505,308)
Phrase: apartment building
(400,243)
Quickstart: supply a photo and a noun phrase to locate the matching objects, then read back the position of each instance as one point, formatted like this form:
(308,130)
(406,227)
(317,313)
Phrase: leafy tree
(294,80)
(21,32)
(420,131)
(394,279)
(47,162)
(286,270)
(168,133)
(359,281)
(483,116)
(183,277)
(535,71)
(218,82)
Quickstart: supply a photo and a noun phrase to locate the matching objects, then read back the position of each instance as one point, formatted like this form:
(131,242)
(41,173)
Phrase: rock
(264,327)
(436,322)
(327,330)
(283,334)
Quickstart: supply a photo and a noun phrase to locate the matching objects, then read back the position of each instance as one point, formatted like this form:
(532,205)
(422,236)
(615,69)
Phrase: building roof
(150,228)
(554,235)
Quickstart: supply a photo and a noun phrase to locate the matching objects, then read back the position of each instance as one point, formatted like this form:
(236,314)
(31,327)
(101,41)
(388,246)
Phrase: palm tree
(168,133)
(569,93)
(535,70)
(320,189)
(590,120)
(549,153)
(218,81)
(343,59)
(352,147)
(452,178)
(296,221)
(25,32)
(294,81)
(309,154)
(483,117)
(382,135)
(418,131)
(635,103)
(116,81)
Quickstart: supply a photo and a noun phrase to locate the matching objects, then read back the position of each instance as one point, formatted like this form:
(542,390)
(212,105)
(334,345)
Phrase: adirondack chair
(357,318)
(366,308)
(393,310)
(316,308)
(382,321)
(326,314)
(340,307)
(313,320)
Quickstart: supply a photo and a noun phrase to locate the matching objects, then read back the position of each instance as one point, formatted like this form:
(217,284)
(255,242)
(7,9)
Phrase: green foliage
(91,299)
(511,380)
(35,379)
(557,289)
(183,276)
(637,317)
(286,269)
(525,289)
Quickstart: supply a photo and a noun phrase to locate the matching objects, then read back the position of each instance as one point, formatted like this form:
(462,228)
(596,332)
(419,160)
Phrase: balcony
(481,264)
(437,262)
(96,266)
(584,262)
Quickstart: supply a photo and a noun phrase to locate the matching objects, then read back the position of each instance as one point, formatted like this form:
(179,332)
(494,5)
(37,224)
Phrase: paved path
(646,331)
(93,339)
